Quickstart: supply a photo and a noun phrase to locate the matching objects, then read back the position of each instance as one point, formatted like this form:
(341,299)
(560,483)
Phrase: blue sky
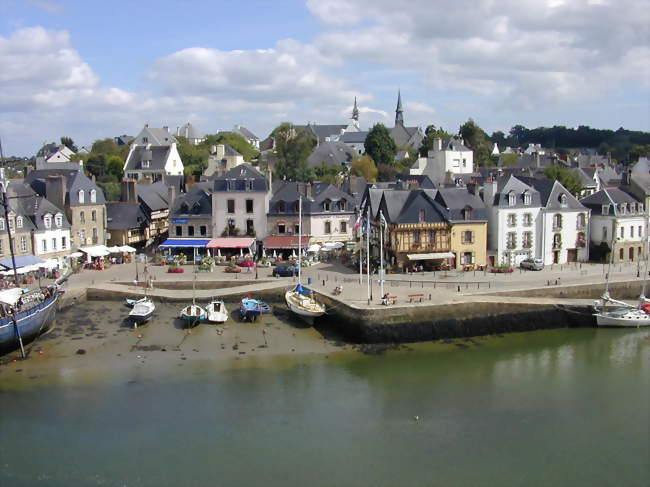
(92,69)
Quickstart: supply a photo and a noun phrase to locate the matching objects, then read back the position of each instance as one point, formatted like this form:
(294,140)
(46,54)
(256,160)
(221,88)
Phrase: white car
(532,264)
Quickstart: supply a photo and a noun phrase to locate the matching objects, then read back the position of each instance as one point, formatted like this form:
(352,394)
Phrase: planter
(502,271)
(232,270)
(176,270)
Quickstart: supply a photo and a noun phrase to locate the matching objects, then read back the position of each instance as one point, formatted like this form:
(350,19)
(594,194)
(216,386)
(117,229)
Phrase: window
(467,237)
(190,230)
(604,233)
(342,205)
(82,196)
(93,196)
(281,228)
(12,222)
(231,206)
(82,217)
(527,241)
(563,199)
(512,198)
(296,228)
(64,243)
(640,231)
(249,185)
(93,216)
(432,237)
(422,216)
(622,208)
(249,206)
(145,140)
(557,221)
(203,230)
(47,221)
(58,220)
(528,219)
(326,205)
(622,232)
(467,258)
(527,198)
(511,240)
(621,255)
(512,220)
(2,223)
(605,210)
(145,163)
(179,231)
(53,244)
(23,244)
(467,213)
(328,227)
(582,240)
(250,228)
(44,245)
(416,237)
(557,241)
(281,206)
(19,222)
(631,231)
(95,236)
(1,248)
(82,237)
(582,220)
(344,227)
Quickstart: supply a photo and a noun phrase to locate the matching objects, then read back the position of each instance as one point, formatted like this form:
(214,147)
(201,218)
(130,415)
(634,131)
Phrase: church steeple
(355,111)
(399,112)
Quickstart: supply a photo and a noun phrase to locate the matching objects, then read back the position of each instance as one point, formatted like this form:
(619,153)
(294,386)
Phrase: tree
(112,190)
(364,167)
(329,174)
(235,141)
(386,172)
(292,149)
(192,155)
(431,133)
(114,166)
(96,164)
(380,146)
(105,146)
(566,177)
(69,143)
(477,140)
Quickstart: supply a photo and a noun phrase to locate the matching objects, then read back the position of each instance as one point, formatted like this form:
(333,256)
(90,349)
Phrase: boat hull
(628,319)
(214,316)
(31,323)
(293,303)
(192,314)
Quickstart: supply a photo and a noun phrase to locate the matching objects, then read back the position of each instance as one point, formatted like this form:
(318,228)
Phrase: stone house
(153,154)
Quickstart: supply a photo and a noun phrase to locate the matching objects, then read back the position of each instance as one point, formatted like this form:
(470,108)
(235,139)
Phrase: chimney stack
(171,195)
(129,191)
(55,190)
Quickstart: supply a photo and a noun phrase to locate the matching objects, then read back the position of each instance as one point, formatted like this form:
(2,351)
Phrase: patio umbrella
(241,252)
(264,253)
(275,254)
(218,252)
(313,248)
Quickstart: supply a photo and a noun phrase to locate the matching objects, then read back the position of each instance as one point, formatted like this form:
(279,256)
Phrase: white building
(153,154)
(191,133)
(446,156)
(617,217)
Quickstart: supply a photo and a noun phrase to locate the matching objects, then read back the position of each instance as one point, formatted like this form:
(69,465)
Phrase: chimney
(537,160)
(129,191)
(166,128)
(55,190)
(221,151)
(489,191)
(171,195)
(213,149)
(626,177)
(437,144)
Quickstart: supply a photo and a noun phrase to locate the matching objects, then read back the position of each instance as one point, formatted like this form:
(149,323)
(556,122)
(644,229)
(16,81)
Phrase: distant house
(56,156)
(191,133)
(222,159)
(332,154)
(355,141)
(153,155)
(127,223)
(121,140)
(250,137)
(446,156)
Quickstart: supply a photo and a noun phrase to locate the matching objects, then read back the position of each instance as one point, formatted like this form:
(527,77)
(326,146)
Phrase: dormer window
(19,222)
(422,216)
(605,210)
(145,140)
(342,205)
(145,163)
(58,220)
(93,196)
(281,206)
(622,208)
(563,199)
(327,205)
(467,213)
(230,185)
(82,196)
(512,198)
(249,185)
(295,207)
(47,221)
(184,208)
(527,198)
(2,223)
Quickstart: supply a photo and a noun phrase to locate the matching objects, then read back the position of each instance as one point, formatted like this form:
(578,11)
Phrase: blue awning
(185,242)
(21,261)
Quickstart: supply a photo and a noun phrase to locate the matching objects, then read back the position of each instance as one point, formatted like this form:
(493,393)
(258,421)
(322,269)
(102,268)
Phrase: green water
(552,408)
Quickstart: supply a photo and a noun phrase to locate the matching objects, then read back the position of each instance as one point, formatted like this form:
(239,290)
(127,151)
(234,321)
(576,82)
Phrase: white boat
(216,311)
(142,311)
(300,300)
(193,313)
(131,302)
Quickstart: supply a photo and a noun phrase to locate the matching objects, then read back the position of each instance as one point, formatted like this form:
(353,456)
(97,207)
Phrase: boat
(299,299)
(216,311)
(250,308)
(142,311)
(131,302)
(193,313)
(614,313)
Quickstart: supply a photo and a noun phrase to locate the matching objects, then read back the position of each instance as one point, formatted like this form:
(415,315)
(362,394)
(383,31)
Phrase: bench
(415,296)
(390,300)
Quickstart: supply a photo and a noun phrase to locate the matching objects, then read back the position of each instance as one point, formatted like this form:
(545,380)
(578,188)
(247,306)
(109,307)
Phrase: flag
(357,224)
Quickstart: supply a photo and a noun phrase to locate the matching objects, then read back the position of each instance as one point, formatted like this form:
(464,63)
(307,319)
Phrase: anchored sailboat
(300,300)
(142,308)
(193,313)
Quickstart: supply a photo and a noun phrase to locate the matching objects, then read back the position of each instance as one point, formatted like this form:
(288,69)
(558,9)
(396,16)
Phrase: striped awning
(431,256)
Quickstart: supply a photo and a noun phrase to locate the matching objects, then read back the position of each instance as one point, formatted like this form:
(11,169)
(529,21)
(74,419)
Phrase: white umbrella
(218,252)
(313,248)
(275,254)
(75,255)
(50,264)
(127,248)
(338,245)
(114,250)
(241,252)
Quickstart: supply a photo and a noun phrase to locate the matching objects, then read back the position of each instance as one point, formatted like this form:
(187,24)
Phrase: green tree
(328,174)
(566,177)
(380,146)
(509,159)
(477,140)
(431,133)
(364,167)
(112,190)
(114,166)
(96,164)
(192,155)
(386,172)
(235,141)
(292,149)
(105,146)
(69,143)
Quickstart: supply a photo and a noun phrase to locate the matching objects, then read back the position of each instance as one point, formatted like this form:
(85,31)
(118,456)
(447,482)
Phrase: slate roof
(416,200)
(454,144)
(189,131)
(456,200)
(353,137)
(123,139)
(508,184)
(422,180)
(402,135)
(607,196)
(246,133)
(289,193)
(550,192)
(16,188)
(74,181)
(236,179)
(197,202)
(48,149)
(155,196)
(157,156)
(229,151)
(321,132)
(642,181)
(157,136)
(642,166)
(331,154)
(36,207)
(123,216)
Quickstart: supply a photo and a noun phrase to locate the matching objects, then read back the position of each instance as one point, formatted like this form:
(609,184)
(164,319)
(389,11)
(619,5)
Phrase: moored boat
(300,300)
(131,302)
(142,311)
(250,308)
(216,311)
(192,313)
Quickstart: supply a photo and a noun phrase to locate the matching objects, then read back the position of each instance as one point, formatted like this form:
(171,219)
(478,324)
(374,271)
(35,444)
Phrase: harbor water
(567,407)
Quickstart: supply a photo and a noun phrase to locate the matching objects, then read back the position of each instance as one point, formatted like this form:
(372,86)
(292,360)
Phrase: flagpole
(368,255)
(381,252)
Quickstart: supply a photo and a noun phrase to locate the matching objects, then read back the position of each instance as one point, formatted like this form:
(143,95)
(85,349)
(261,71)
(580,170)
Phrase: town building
(191,133)
(332,154)
(153,154)
(617,220)
(56,156)
(222,158)
(191,213)
(447,156)
(17,221)
(404,136)
(250,137)
(127,224)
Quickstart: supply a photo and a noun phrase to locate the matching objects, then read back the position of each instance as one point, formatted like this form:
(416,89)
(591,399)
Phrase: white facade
(174,164)
(512,233)
(563,236)
(51,243)
(329,228)
(445,157)
(236,213)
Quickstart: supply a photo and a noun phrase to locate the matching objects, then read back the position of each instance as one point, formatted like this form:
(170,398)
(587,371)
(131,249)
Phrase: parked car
(285,271)
(532,264)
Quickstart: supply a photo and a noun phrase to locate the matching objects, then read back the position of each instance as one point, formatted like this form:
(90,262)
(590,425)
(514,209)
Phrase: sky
(91,69)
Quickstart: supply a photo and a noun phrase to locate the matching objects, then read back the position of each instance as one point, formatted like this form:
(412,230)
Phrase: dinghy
(216,311)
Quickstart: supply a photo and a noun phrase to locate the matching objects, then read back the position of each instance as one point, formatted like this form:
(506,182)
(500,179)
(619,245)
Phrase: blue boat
(250,308)
(33,318)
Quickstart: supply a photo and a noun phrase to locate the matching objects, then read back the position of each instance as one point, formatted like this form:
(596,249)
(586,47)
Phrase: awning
(21,261)
(95,250)
(433,256)
(333,245)
(185,242)
(127,248)
(313,248)
(50,264)
(10,296)
(114,250)
(285,242)
(75,255)
(231,243)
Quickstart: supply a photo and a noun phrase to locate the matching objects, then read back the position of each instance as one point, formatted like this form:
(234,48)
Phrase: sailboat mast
(645,267)
(609,267)
(3,187)
(194,276)
(299,238)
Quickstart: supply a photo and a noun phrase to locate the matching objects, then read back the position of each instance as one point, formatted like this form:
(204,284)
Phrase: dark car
(285,271)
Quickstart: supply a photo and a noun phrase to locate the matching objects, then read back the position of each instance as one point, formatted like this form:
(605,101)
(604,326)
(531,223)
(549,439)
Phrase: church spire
(399,113)
(355,111)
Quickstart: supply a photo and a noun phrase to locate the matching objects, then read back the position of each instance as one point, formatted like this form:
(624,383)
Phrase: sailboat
(300,300)
(216,311)
(623,315)
(142,308)
(193,313)
(23,316)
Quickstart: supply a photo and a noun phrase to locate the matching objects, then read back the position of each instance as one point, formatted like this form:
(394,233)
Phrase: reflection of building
(617,216)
